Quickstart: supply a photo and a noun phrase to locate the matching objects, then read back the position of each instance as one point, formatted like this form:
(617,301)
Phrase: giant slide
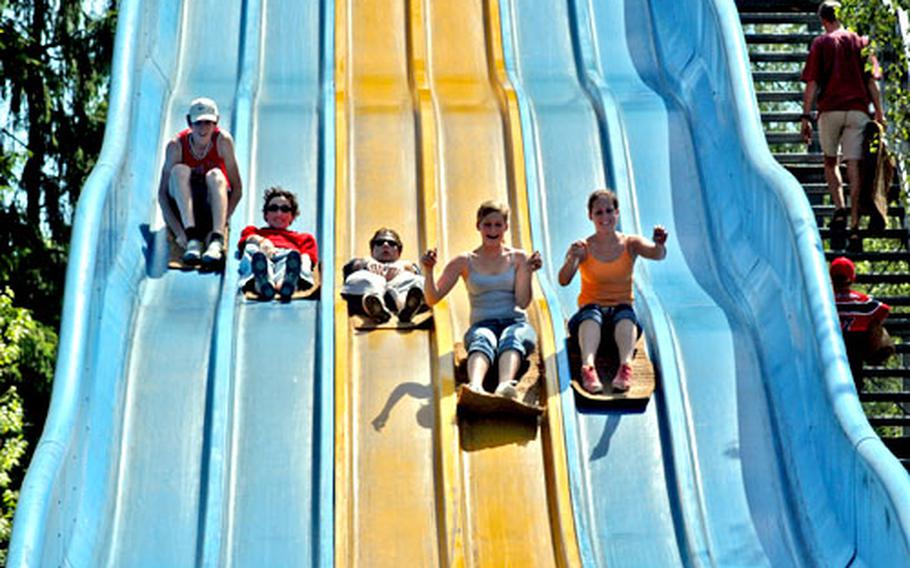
(755,451)
(189,427)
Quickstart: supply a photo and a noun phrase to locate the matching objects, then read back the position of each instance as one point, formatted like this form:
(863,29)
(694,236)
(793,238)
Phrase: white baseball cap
(203,109)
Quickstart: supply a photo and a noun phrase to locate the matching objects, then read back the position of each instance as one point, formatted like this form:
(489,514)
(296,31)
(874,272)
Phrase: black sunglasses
(282,208)
(380,242)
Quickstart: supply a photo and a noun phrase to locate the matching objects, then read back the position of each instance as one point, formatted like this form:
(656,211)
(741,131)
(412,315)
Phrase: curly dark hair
(278,191)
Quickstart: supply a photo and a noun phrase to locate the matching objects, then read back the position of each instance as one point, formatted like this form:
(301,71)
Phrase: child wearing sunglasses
(275,258)
(383,284)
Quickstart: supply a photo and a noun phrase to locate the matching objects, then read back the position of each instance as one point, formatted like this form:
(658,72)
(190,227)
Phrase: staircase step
(781,117)
(866,234)
(778,76)
(890,278)
(780,18)
(884,396)
(890,421)
(828,210)
(779,96)
(794,39)
(752,6)
(875,256)
(778,56)
(895,301)
(800,159)
(884,372)
(786,137)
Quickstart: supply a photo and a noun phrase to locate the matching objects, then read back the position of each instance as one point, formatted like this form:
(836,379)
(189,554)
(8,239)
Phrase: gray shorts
(842,128)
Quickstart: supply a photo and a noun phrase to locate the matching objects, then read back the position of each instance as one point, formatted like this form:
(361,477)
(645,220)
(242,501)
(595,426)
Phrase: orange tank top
(606,283)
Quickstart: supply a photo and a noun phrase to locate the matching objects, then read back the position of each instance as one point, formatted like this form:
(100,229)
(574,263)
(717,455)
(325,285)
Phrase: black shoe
(412,302)
(372,305)
(291,276)
(838,229)
(855,243)
(261,277)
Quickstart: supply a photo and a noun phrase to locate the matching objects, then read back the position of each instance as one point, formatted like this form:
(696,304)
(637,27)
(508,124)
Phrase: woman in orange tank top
(605,260)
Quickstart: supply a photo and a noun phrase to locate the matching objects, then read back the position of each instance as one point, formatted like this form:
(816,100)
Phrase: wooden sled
(643,379)
(311,292)
(526,405)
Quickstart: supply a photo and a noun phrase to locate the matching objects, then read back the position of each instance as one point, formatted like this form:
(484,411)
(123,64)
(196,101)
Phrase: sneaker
(291,275)
(261,281)
(838,228)
(855,242)
(506,390)
(193,253)
(214,254)
(412,302)
(374,308)
(623,379)
(589,379)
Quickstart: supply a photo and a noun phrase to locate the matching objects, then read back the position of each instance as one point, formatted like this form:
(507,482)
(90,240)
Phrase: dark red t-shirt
(837,65)
(210,161)
(857,311)
(304,243)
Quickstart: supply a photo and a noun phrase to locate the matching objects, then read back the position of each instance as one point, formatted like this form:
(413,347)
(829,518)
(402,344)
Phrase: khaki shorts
(842,128)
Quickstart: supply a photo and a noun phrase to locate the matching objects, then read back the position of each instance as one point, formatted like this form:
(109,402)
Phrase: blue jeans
(604,316)
(496,336)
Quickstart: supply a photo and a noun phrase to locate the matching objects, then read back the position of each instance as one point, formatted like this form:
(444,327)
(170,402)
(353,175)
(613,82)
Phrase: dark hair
(602,194)
(490,206)
(387,233)
(828,10)
(278,191)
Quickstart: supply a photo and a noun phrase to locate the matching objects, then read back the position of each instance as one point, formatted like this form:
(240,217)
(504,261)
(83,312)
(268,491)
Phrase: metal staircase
(778,34)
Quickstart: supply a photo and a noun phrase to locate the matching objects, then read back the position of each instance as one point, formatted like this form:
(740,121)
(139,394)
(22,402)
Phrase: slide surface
(187,424)
(755,450)
(191,427)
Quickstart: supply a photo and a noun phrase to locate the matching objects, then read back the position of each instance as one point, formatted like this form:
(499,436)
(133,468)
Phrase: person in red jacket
(275,257)
(200,185)
(858,313)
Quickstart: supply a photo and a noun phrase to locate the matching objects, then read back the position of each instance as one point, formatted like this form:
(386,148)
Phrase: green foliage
(878,20)
(27,354)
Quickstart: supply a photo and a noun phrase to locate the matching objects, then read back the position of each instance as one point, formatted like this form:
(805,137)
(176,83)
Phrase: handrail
(31,514)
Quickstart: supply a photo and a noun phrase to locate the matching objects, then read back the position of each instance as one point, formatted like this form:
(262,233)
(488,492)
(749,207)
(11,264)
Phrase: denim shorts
(604,315)
(495,336)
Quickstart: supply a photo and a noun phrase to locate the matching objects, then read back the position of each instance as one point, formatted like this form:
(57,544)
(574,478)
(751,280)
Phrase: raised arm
(437,290)
(653,249)
(226,151)
(527,265)
(574,256)
(171,158)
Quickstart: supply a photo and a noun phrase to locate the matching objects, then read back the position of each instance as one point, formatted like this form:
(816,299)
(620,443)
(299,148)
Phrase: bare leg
(179,189)
(625,333)
(832,176)
(478,365)
(588,341)
(509,362)
(855,182)
(218,199)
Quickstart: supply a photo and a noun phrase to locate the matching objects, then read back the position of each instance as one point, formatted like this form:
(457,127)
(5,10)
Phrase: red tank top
(210,161)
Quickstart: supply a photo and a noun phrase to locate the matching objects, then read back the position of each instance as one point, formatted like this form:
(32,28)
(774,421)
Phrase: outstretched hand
(660,234)
(578,250)
(534,261)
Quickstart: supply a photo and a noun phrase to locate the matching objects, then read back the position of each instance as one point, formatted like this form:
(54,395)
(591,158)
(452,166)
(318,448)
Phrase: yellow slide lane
(427,128)
(385,412)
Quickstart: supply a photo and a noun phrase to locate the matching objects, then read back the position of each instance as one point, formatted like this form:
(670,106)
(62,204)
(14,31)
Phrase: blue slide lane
(755,450)
(167,413)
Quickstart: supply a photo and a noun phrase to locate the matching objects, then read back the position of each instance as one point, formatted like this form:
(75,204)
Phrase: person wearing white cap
(200,185)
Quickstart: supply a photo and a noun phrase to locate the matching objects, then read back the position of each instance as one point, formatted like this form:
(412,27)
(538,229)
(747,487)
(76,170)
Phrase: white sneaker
(214,254)
(506,390)
(193,253)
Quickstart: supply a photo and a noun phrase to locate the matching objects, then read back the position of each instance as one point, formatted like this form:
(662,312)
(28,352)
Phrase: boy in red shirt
(274,257)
